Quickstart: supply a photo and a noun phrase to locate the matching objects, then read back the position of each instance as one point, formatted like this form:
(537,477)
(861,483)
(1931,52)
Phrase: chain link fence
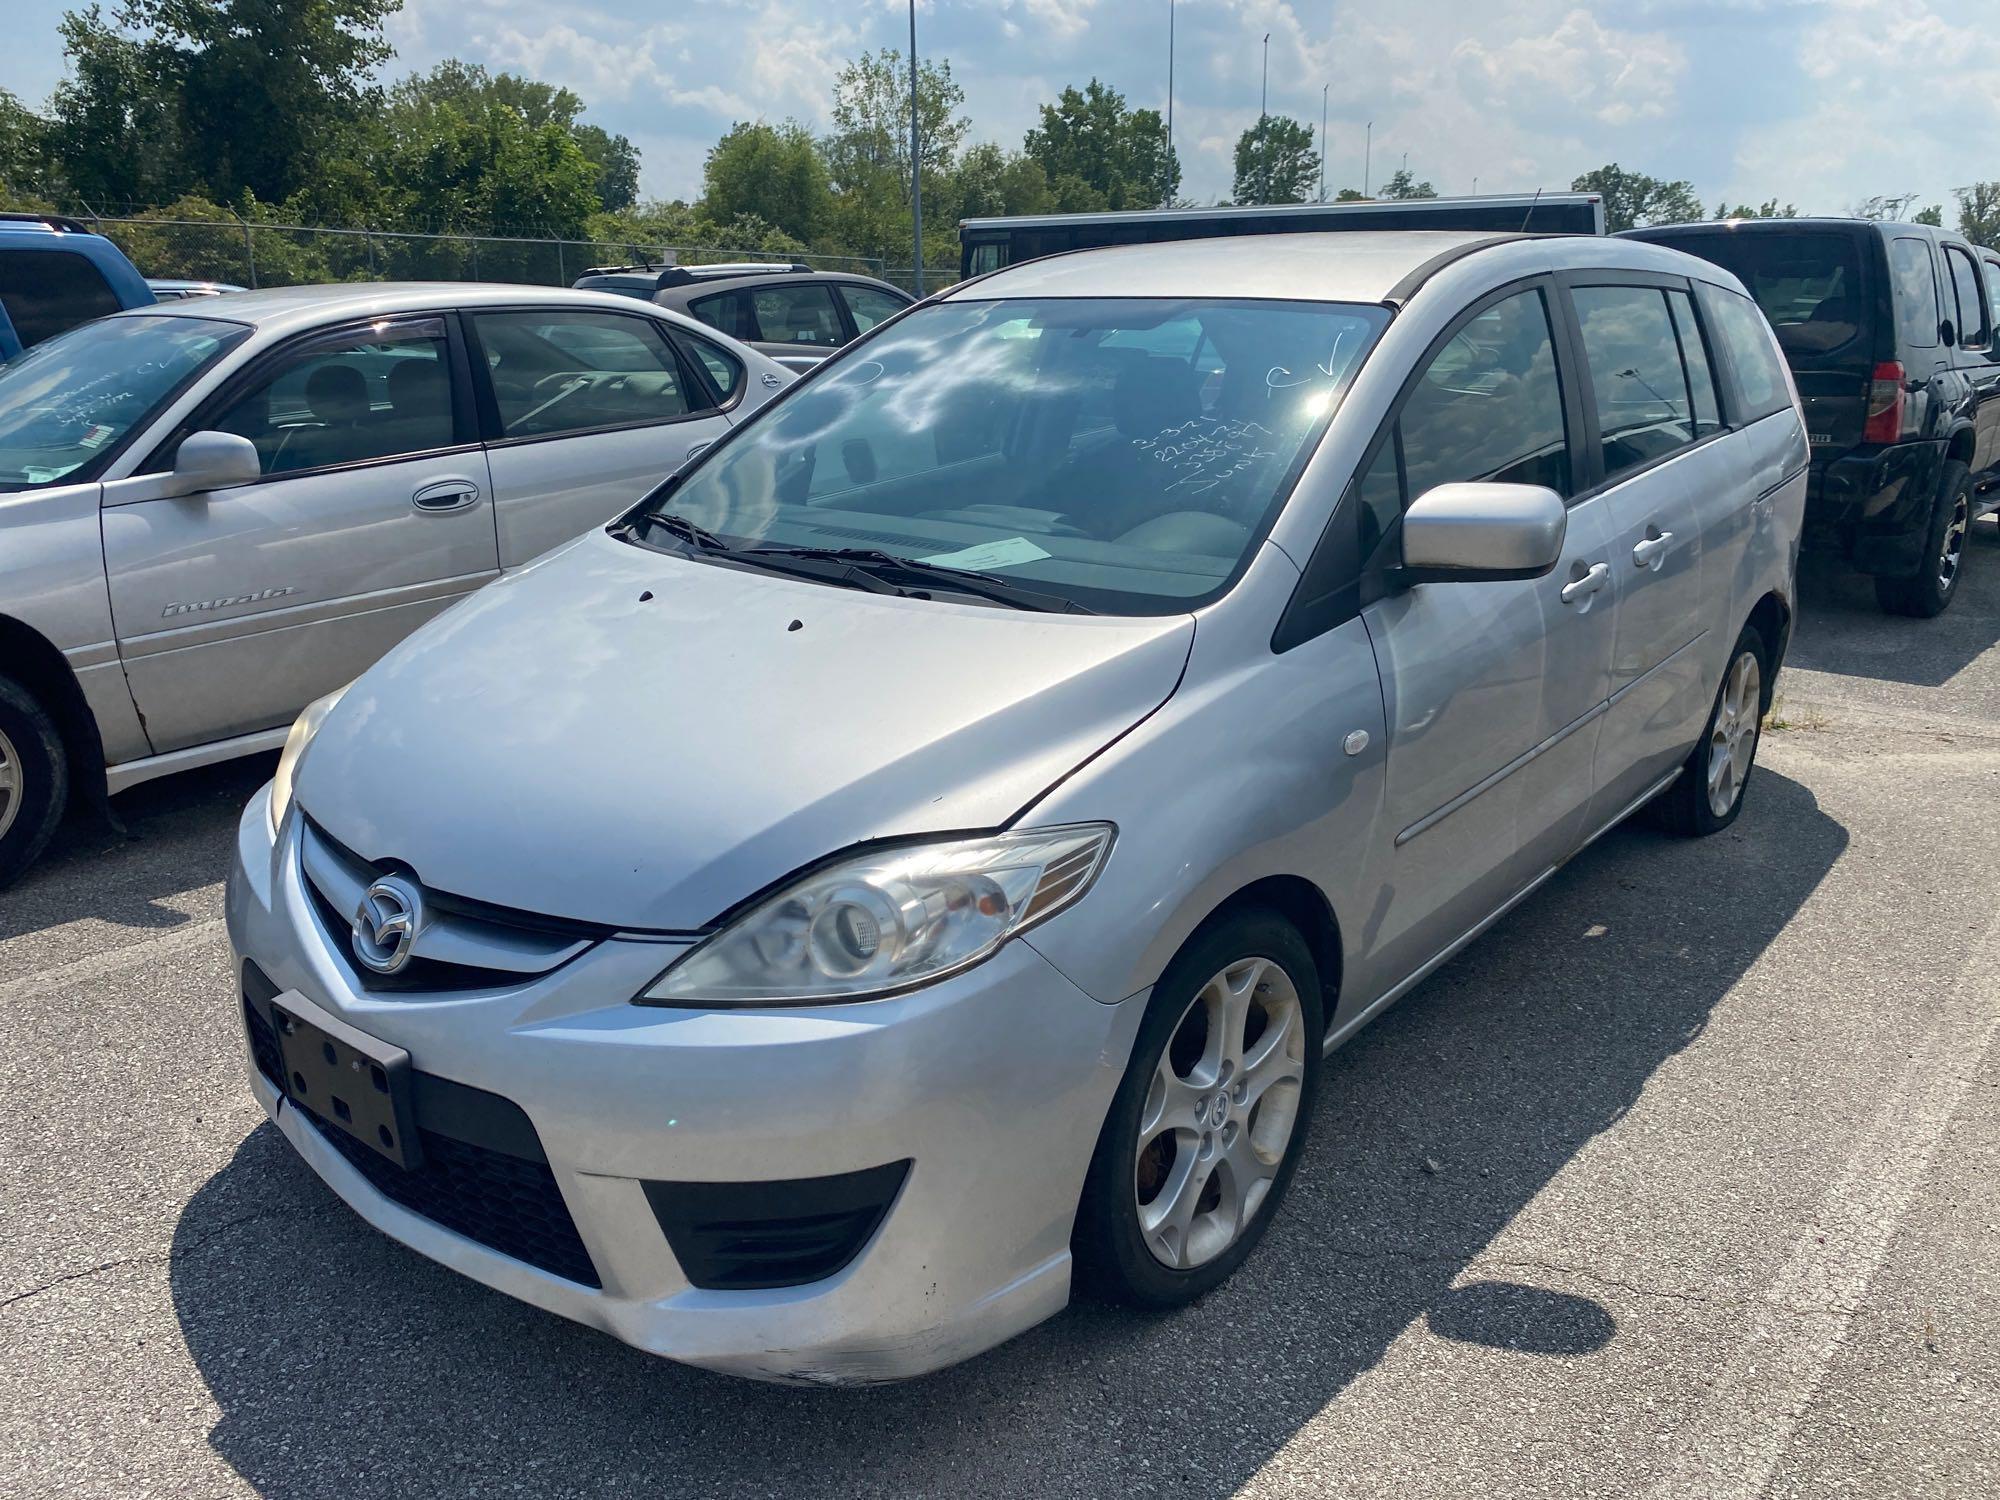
(258,255)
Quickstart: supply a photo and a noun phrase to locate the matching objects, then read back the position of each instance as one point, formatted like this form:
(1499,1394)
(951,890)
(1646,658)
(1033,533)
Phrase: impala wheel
(1205,1130)
(34,779)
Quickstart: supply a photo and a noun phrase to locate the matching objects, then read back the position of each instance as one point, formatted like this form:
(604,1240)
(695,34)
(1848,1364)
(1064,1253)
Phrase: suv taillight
(1885,405)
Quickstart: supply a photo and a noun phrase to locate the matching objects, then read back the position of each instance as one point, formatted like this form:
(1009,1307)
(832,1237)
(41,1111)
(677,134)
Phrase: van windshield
(1124,453)
(1808,282)
(70,401)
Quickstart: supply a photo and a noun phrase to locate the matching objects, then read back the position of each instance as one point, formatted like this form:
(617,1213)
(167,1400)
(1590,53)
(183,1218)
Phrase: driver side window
(350,399)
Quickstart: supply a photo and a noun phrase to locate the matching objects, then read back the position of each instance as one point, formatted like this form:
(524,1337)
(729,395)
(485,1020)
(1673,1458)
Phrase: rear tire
(1210,1119)
(34,779)
(1927,593)
(1708,794)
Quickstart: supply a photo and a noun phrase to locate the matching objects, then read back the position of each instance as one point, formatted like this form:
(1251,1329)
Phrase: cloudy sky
(1818,102)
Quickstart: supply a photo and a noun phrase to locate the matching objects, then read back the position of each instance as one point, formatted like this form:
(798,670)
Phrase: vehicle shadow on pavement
(344,1365)
(179,831)
(1842,629)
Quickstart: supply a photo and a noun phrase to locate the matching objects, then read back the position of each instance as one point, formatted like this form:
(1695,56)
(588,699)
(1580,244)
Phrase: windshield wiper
(887,565)
(680,526)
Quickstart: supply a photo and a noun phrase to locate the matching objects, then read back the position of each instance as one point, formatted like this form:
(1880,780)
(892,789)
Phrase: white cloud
(1611,77)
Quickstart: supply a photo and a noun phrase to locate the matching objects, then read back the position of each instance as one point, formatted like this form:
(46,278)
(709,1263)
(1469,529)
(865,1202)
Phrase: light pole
(1167,170)
(1322,140)
(1263,123)
(1367,155)
(916,165)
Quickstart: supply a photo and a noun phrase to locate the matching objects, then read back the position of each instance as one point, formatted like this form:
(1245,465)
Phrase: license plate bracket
(350,1081)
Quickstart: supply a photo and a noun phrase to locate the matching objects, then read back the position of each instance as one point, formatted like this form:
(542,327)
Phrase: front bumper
(992,1086)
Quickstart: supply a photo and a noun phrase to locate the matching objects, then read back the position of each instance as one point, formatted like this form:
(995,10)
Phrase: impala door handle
(446,495)
(1593,579)
(1652,551)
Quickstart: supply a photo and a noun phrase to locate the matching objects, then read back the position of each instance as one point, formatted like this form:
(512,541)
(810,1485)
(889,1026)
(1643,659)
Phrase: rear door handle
(1652,550)
(1598,575)
(446,495)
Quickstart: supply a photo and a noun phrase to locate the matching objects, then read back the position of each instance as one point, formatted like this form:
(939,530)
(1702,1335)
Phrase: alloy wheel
(1220,1113)
(1952,552)
(1732,742)
(10,784)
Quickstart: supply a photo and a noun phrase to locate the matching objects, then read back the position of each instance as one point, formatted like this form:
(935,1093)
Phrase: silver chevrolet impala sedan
(916,860)
(213,511)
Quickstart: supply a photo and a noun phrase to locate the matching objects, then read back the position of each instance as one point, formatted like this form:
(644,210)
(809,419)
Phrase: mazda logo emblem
(386,923)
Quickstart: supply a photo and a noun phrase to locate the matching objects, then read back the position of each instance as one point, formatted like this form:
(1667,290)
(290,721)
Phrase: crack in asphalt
(165,1257)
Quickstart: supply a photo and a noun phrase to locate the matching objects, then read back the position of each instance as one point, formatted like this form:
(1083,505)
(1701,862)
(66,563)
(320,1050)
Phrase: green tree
(1885,206)
(617,163)
(1275,161)
(868,153)
(1978,212)
(1632,198)
(774,172)
(27,176)
(992,181)
(1933,216)
(1403,185)
(116,120)
(1099,154)
(1770,208)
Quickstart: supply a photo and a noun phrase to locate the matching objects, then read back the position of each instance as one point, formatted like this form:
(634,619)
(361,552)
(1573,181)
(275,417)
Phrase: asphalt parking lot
(1684,1181)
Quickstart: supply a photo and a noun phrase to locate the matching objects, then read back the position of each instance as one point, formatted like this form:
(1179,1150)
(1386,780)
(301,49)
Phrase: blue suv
(55,274)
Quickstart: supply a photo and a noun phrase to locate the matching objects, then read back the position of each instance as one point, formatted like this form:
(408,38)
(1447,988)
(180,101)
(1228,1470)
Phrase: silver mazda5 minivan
(918,858)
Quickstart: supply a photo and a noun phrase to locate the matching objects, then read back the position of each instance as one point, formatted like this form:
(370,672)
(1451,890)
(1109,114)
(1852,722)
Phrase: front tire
(1207,1126)
(34,779)
(1931,589)
(1709,792)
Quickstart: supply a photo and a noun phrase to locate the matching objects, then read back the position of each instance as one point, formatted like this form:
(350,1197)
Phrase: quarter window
(869,306)
(1640,388)
(722,368)
(373,394)
(1489,405)
(802,313)
(1747,344)
(47,292)
(1972,330)
(577,371)
(1694,357)
(1916,291)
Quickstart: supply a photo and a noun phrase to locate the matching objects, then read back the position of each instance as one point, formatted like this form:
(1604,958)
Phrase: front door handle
(696,451)
(446,495)
(1652,551)
(1592,580)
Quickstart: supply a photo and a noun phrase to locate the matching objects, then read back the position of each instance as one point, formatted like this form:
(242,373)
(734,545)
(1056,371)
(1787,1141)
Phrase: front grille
(505,1200)
(737,1236)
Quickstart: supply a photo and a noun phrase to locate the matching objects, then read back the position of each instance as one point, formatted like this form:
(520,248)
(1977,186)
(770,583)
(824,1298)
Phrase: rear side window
(1489,404)
(801,313)
(722,368)
(1973,332)
(727,312)
(557,372)
(47,292)
(1992,292)
(1694,355)
(869,307)
(1915,282)
(1644,411)
(1744,337)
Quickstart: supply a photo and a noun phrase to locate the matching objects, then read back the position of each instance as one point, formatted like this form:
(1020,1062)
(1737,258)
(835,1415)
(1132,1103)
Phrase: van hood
(630,737)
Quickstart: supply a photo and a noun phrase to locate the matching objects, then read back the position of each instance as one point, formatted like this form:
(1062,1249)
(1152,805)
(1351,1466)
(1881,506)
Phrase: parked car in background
(167,290)
(793,313)
(1890,332)
(55,274)
(213,511)
(922,853)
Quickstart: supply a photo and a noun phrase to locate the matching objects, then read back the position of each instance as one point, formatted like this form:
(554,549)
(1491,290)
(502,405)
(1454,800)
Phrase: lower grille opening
(496,1190)
(743,1236)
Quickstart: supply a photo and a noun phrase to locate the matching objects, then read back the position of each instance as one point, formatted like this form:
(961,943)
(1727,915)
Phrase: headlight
(303,729)
(888,920)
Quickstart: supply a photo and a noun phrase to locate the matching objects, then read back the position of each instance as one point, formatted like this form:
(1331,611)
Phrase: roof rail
(52,221)
(689,275)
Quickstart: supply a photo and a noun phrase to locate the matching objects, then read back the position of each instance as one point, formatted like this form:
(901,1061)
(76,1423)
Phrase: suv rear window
(1808,284)
(47,292)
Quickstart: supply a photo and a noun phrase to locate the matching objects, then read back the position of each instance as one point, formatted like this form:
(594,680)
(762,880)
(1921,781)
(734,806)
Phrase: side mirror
(1483,532)
(214,461)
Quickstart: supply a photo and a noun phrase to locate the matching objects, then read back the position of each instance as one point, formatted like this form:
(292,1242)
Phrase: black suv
(1890,330)
(793,313)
